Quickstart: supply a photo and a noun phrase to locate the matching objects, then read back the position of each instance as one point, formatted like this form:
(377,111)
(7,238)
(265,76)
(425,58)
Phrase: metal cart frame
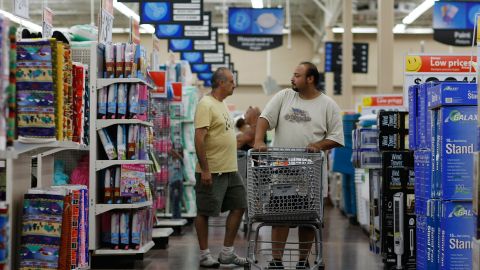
(284,188)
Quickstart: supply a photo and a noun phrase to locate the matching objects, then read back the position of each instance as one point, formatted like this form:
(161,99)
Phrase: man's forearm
(202,156)
(326,144)
(262,127)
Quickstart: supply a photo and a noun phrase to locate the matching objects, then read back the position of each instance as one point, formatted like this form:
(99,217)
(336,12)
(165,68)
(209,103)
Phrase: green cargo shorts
(226,193)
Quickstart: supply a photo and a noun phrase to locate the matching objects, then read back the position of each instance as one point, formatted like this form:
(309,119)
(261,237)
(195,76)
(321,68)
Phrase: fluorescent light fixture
(257,3)
(122,8)
(285,31)
(418,11)
(398,29)
(21,21)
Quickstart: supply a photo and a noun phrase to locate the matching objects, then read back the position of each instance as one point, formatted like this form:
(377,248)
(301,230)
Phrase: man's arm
(244,138)
(262,127)
(200,134)
(323,145)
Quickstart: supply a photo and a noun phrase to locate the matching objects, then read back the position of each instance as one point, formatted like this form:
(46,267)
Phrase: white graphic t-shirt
(298,122)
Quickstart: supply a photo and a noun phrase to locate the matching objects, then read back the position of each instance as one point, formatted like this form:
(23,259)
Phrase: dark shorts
(226,193)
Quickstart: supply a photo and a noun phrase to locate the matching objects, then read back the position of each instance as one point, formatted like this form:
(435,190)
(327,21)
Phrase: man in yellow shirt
(219,187)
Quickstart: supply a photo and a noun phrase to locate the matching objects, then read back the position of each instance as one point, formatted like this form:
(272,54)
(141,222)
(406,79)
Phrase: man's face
(229,84)
(299,79)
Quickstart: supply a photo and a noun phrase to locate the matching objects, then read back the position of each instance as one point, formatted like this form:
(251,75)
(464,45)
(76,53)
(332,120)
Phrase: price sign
(134,31)
(106,25)
(47,23)
(108,6)
(433,68)
(21,8)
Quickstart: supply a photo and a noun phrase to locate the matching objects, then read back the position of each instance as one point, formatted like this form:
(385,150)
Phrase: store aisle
(345,247)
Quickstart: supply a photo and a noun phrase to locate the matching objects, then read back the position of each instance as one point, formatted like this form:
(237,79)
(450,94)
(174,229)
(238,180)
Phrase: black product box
(392,121)
(375,181)
(391,141)
(398,223)
(397,159)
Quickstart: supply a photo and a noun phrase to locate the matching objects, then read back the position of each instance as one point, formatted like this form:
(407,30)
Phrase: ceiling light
(418,11)
(257,3)
(285,31)
(22,22)
(122,8)
(399,29)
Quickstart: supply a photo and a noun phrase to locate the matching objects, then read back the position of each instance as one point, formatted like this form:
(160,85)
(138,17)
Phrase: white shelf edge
(40,148)
(144,249)
(103,123)
(162,232)
(101,208)
(102,164)
(171,222)
(103,82)
(169,215)
(157,95)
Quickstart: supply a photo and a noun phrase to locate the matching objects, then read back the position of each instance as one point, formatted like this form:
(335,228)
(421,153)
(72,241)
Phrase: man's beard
(294,88)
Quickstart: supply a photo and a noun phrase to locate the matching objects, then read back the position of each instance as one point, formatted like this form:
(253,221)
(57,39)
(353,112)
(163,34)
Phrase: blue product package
(457,226)
(412,116)
(424,117)
(112,101)
(452,94)
(455,146)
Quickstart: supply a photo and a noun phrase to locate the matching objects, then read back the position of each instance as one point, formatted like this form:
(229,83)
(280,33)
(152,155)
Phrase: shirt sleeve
(335,124)
(202,115)
(272,110)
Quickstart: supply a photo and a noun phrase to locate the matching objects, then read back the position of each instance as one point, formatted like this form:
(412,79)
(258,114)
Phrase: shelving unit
(92,56)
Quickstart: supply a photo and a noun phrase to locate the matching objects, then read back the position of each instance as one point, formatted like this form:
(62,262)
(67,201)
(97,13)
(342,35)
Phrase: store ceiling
(72,12)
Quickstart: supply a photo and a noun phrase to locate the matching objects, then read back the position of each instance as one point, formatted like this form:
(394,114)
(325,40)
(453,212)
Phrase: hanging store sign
(21,8)
(255,29)
(134,31)
(47,23)
(180,31)
(333,57)
(216,57)
(225,64)
(454,22)
(205,76)
(171,12)
(433,68)
(193,45)
(192,57)
(106,22)
(159,78)
(201,68)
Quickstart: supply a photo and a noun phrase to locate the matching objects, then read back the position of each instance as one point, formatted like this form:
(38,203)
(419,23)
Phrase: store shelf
(142,250)
(161,232)
(103,123)
(102,164)
(40,148)
(102,208)
(157,95)
(101,83)
(171,222)
(169,215)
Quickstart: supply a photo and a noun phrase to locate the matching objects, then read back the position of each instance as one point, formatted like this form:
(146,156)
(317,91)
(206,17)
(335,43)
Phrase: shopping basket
(284,188)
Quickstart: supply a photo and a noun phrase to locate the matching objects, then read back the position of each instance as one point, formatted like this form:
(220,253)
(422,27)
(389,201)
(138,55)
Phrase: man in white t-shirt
(302,117)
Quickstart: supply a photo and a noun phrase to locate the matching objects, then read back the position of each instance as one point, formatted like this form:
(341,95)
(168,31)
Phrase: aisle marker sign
(106,22)
(134,31)
(421,68)
(47,23)
(21,8)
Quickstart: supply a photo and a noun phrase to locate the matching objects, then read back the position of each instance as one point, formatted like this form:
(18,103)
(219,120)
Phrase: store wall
(253,69)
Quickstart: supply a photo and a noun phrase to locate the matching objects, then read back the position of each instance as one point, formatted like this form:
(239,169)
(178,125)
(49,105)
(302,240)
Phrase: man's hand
(313,148)
(206,178)
(260,146)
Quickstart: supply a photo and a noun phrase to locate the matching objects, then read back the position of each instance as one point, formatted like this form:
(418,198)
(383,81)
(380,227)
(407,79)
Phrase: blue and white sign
(454,22)
(171,12)
(164,31)
(205,76)
(250,21)
(179,31)
(180,45)
(192,57)
(201,68)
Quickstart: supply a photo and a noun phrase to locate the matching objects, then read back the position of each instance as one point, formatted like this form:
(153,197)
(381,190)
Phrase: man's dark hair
(219,76)
(312,71)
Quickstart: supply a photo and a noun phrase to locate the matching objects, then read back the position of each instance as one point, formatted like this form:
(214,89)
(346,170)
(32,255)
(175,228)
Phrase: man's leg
(279,238)
(201,226)
(306,235)
(233,222)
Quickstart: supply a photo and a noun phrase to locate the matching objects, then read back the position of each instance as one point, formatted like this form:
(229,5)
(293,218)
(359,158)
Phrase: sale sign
(421,68)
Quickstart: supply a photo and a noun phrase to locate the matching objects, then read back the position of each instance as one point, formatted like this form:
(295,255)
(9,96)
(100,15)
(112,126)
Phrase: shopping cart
(284,188)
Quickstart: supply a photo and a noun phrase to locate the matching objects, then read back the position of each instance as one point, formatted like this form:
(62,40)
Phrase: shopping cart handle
(282,149)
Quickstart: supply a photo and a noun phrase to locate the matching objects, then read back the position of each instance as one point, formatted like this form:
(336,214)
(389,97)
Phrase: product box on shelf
(433,231)
(423,173)
(398,210)
(452,94)
(476,183)
(455,141)
(424,119)
(367,138)
(393,121)
(475,254)
(456,221)
(375,180)
(369,159)
(412,116)
(393,141)
(421,232)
